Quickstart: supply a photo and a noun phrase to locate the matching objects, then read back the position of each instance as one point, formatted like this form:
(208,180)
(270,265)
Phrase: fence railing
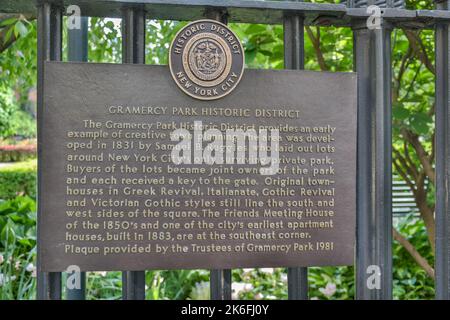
(372,62)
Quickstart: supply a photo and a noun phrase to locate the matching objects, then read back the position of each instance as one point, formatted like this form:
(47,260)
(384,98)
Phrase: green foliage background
(18,179)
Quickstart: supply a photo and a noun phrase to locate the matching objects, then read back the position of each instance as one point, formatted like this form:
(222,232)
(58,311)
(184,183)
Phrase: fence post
(220,279)
(442,142)
(77,42)
(49,30)
(372,61)
(294,59)
(133,51)
(220,283)
(77,47)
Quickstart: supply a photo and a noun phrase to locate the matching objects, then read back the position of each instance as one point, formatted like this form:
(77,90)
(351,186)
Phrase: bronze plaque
(206,60)
(112,196)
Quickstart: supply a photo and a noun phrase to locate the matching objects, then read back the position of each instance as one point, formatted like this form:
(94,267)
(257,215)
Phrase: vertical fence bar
(77,42)
(372,52)
(49,20)
(382,199)
(294,59)
(217,14)
(220,283)
(133,35)
(220,279)
(442,145)
(77,50)
(133,51)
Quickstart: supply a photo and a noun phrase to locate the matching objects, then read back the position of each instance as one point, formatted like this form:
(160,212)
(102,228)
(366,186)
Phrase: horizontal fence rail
(268,12)
(372,62)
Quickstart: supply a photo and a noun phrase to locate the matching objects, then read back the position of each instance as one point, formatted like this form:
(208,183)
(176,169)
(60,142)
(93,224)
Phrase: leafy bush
(14,153)
(23,124)
(167,284)
(18,179)
(13,120)
(7,108)
(410,280)
(17,248)
(180,284)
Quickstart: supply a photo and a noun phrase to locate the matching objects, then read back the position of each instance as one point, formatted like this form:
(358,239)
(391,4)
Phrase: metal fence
(372,62)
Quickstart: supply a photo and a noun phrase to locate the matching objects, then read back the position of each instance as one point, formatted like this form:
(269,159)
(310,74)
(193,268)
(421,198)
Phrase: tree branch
(424,159)
(409,169)
(408,158)
(398,80)
(419,49)
(316,44)
(421,261)
(404,176)
(425,211)
(412,82)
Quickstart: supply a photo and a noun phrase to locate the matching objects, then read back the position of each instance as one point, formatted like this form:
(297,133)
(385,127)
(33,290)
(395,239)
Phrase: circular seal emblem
(206,60)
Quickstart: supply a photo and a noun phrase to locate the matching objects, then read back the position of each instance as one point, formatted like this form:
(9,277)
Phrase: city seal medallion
(206,60)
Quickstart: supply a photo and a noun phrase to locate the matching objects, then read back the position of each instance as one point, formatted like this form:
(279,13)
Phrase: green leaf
(20,29)
(420,123)
(250,56)
(8,35)
(8,235)
(109,25)
(400,113)
(8,22)
(266,52)
(256,28)
(25,242)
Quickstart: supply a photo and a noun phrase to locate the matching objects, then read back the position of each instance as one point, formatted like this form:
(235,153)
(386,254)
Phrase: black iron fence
(372,62)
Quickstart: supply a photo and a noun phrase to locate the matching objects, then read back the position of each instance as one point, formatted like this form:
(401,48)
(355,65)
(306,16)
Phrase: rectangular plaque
(111,197)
